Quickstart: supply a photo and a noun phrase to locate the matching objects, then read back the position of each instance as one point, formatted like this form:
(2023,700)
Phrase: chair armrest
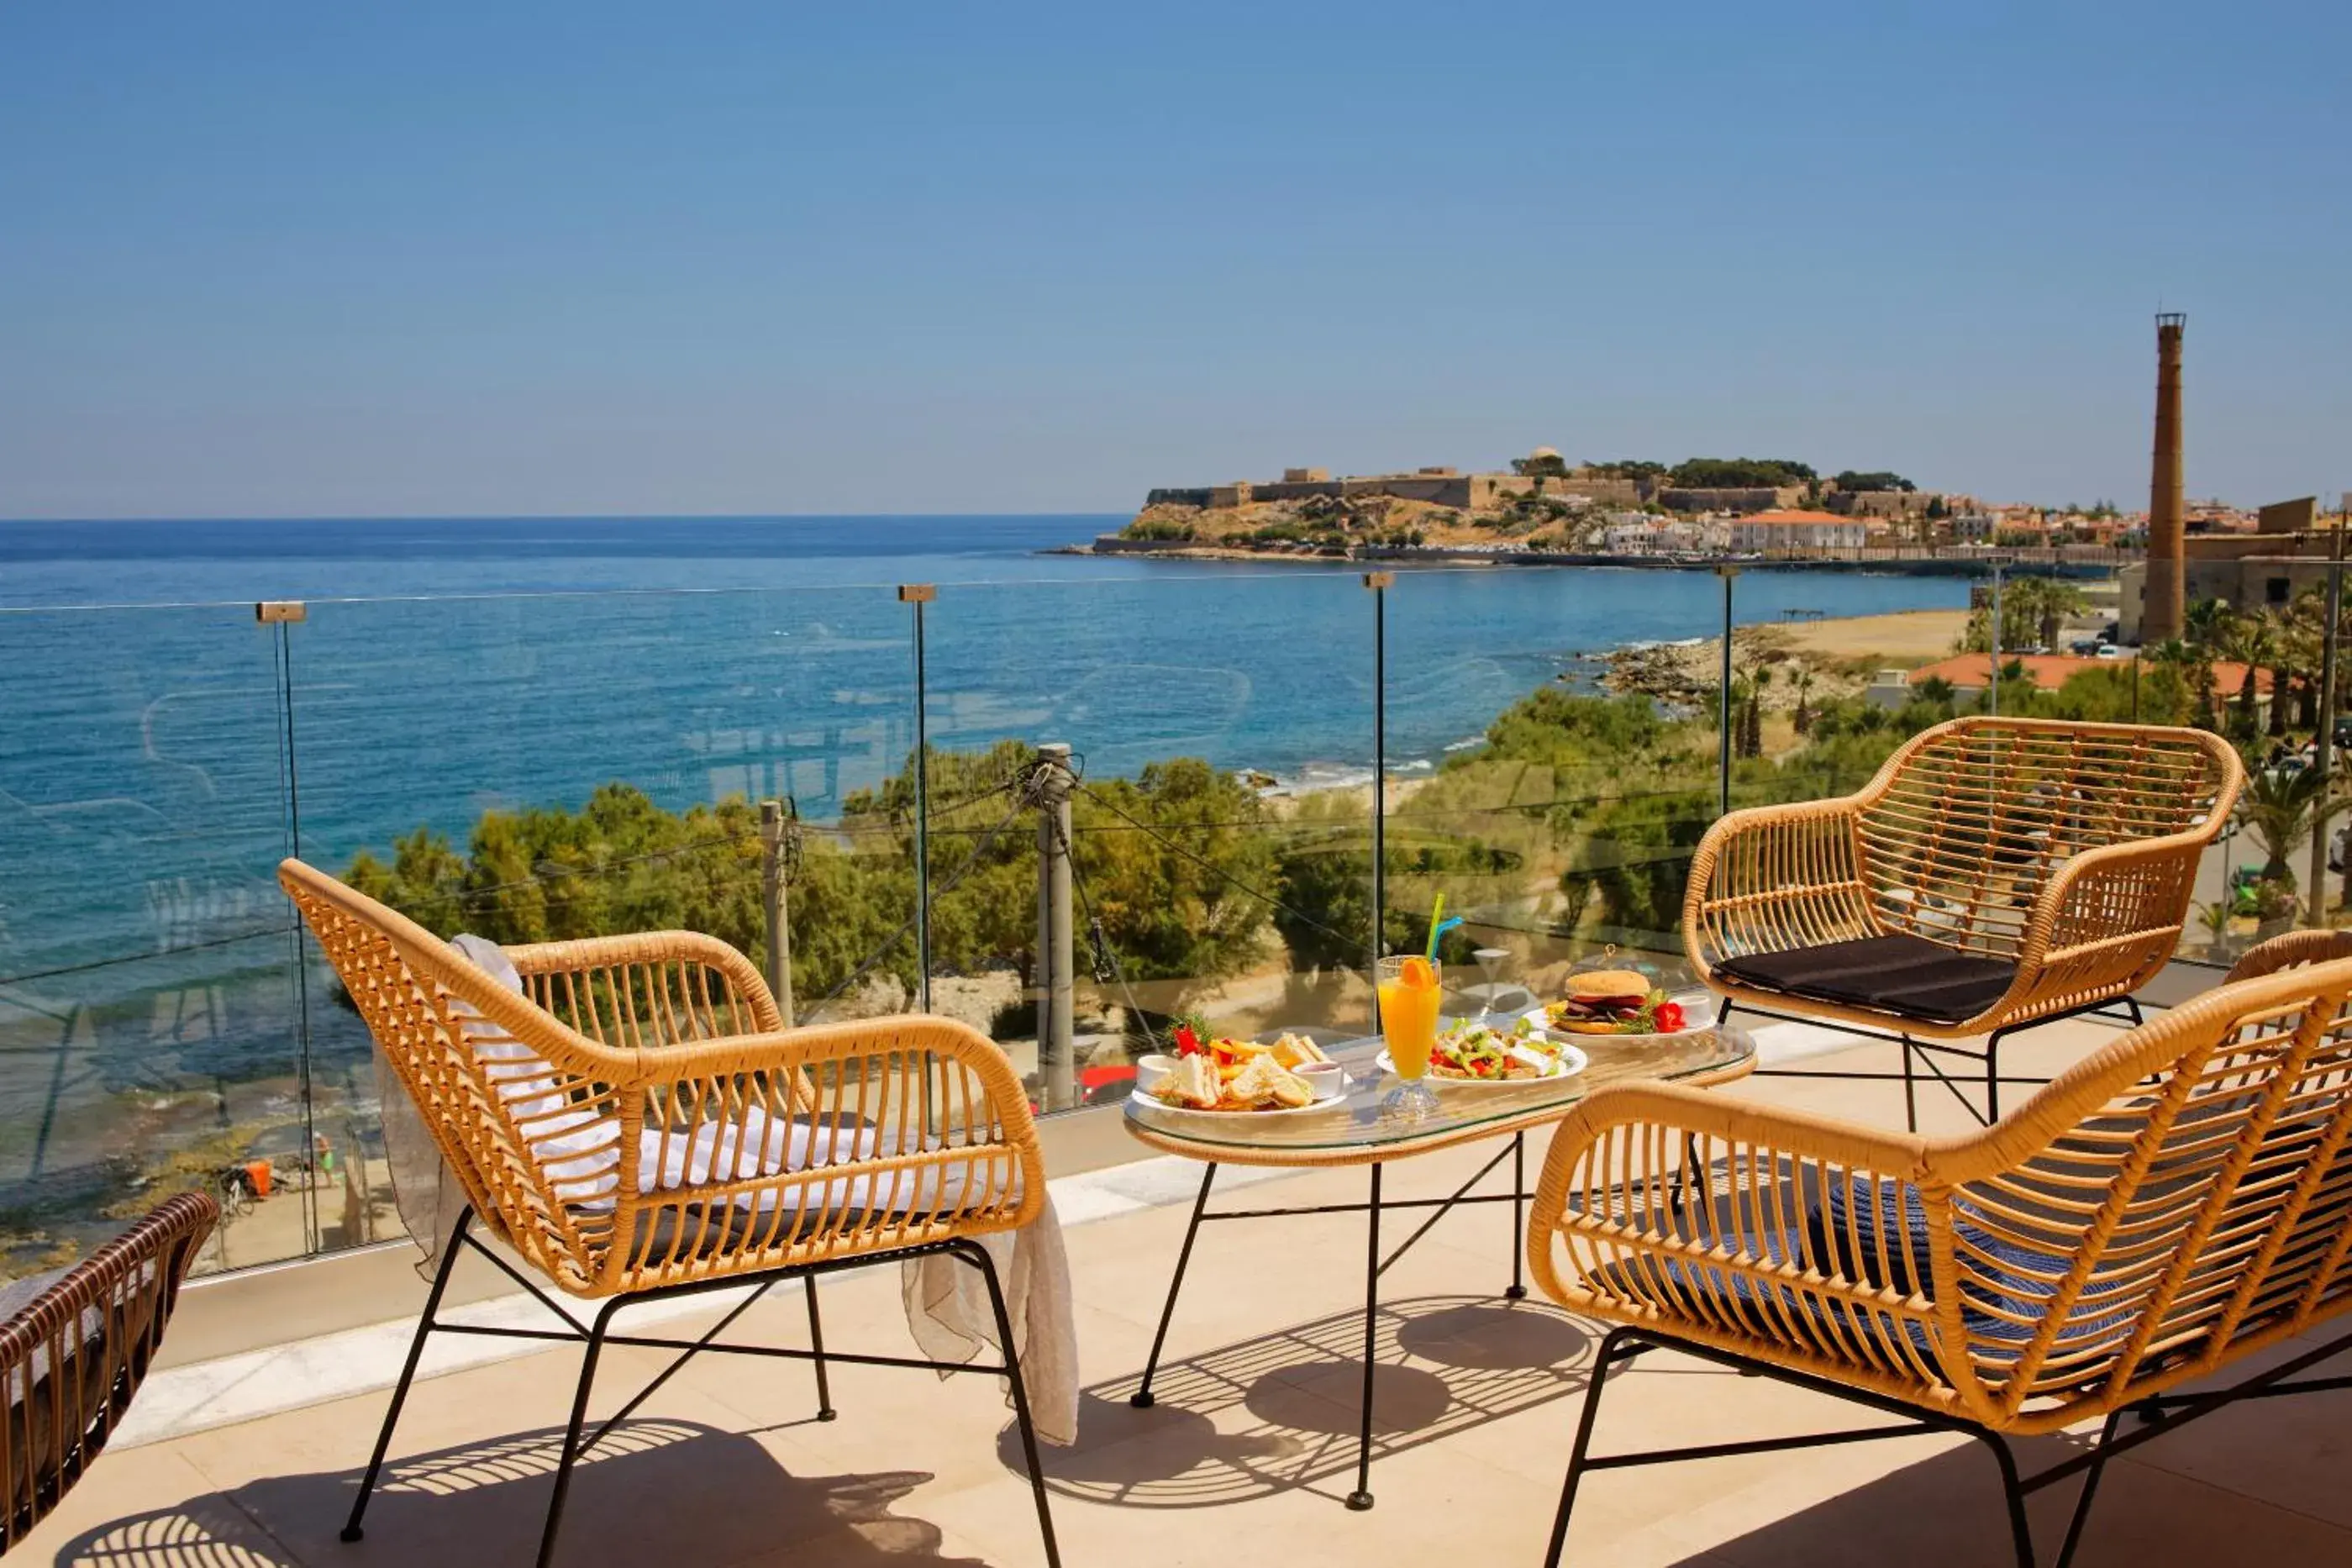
(913,1128)
(647,988)
(1689,1210)
(2107,920)
(1772,876)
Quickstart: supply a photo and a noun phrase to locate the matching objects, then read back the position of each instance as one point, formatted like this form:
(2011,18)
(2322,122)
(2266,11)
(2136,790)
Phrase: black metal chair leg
(825,1411)
(2021,1532)
(978,1255)
(2090,1488)
(1141,1398)
(1361,1498)
(1992,1076)
(1601,1360)
(1910,1089)
(572,1444)
(1517,1290)
(352,1531)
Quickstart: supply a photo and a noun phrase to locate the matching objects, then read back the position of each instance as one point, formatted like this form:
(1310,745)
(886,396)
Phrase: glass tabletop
(1353,1121)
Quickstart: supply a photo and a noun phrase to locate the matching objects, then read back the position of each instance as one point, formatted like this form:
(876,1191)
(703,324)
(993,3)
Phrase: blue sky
(299,259)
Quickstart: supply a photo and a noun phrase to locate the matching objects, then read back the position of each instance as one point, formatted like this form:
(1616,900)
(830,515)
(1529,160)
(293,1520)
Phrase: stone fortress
(1436,486)
(1540,473)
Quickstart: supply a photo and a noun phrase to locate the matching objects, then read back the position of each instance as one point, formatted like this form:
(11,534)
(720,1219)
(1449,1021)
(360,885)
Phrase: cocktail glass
(1490,961)
(1410,989)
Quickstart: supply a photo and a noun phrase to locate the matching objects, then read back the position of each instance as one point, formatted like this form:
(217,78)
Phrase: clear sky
(266,259)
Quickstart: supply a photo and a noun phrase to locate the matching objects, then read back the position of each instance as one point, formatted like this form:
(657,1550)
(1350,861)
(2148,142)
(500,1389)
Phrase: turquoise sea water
(450,666)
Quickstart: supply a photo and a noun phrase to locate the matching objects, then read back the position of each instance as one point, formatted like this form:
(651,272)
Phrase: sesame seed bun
(1600,984)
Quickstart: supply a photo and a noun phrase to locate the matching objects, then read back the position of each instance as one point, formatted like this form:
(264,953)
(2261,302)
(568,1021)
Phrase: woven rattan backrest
(1962,828)
(2184,1190)
(521,1106)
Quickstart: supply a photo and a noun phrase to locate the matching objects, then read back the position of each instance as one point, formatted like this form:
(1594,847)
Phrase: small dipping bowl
(1327,1080)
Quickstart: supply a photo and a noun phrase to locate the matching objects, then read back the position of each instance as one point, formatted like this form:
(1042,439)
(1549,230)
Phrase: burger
(1603,1002)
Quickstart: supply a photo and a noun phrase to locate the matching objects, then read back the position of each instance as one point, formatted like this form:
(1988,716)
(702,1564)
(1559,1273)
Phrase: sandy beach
(1900,641)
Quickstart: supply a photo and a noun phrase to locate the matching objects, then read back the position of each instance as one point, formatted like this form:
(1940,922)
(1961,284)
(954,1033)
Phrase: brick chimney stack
(2162,610)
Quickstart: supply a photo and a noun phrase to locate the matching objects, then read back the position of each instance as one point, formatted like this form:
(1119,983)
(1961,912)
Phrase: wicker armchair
(75,1348)
(1996,873)
(2173,1203)
(635,1125)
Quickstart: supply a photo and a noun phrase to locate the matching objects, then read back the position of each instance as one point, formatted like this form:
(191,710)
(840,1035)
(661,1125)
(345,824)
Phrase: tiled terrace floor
(1243,1463)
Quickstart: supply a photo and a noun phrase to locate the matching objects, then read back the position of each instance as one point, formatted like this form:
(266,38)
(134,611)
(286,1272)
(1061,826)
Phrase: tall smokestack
(2162,609)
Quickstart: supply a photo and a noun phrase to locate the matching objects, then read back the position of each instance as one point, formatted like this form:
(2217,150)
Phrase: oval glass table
(1350,1131)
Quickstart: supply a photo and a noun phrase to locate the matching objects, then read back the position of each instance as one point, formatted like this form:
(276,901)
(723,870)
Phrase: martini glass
(1490,960)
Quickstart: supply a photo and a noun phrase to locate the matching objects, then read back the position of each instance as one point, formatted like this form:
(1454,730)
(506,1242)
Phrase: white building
(1770,530)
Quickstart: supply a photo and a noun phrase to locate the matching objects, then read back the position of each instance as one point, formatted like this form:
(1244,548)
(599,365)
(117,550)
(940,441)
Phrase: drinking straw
(1438,927)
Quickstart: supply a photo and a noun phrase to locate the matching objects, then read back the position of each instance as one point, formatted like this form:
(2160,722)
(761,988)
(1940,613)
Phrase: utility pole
(775,849)
(2324,740)
(1057,941)
(1992,640)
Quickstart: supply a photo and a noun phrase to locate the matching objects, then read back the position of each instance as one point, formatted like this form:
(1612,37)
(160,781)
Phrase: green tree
(2280,809)
(1852,483)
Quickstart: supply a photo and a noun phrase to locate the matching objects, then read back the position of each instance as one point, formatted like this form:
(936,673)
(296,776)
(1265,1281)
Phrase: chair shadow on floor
(1280,1411)
(653,1491)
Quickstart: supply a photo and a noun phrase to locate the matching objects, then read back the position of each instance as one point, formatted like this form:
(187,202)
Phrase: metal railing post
(1723,702)
(918,595)
(1056,936)
(1379,583)
(773,851)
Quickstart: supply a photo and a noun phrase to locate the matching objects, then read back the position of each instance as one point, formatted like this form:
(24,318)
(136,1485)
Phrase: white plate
(1156,1103)
(1698,1017)
(1571,1061)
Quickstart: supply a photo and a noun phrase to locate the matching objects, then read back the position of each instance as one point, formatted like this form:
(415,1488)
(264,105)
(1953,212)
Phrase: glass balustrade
(533,766)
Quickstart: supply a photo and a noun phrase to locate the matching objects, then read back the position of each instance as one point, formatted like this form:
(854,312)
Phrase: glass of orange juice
(1409,990)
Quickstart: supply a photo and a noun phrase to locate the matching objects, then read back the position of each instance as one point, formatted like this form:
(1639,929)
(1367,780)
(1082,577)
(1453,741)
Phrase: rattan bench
(2178,1200)
(1996,874)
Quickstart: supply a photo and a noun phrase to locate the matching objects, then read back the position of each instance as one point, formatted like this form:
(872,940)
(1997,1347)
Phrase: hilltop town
(1542,506)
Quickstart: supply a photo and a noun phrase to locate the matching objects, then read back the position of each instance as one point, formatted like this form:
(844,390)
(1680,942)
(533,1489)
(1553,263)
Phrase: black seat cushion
(1908,976)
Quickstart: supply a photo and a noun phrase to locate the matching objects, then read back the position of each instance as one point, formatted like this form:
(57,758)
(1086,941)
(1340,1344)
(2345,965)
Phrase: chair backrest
(522,1107)
(2290,949)
(73,1355)
(1964,825)
(2179,1198)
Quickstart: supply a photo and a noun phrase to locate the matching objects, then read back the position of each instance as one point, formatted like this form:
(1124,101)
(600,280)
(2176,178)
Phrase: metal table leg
(1361,1498)
(1141,1398)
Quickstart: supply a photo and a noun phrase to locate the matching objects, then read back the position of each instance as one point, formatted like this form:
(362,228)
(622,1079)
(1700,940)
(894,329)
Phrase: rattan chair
(2177,1201)
(75,1348)
(636,1125)
(1996,874)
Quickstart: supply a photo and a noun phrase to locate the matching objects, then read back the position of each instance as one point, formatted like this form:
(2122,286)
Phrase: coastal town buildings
(2283,557)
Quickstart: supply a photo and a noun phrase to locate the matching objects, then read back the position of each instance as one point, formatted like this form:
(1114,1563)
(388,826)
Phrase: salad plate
(1484,1056)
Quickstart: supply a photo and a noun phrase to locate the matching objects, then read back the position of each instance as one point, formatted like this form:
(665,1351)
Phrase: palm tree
(2251,643)
(2041,605)
(1803,716)
(2280,809)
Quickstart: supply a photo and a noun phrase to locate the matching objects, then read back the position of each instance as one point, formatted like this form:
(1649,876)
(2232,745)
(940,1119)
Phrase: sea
(161,747)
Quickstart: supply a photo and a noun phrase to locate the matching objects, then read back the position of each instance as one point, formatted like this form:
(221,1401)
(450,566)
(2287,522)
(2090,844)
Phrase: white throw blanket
(947,1311)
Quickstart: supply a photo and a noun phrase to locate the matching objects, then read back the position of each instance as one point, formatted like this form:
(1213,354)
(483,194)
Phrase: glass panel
(1220,727)
(1553,746)
(148,1038)
(554,766)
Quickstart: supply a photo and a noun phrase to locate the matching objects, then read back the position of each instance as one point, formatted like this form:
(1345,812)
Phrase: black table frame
(1374,1267)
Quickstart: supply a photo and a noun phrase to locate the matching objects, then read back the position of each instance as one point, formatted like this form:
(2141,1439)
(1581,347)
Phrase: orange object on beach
(257,1175)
